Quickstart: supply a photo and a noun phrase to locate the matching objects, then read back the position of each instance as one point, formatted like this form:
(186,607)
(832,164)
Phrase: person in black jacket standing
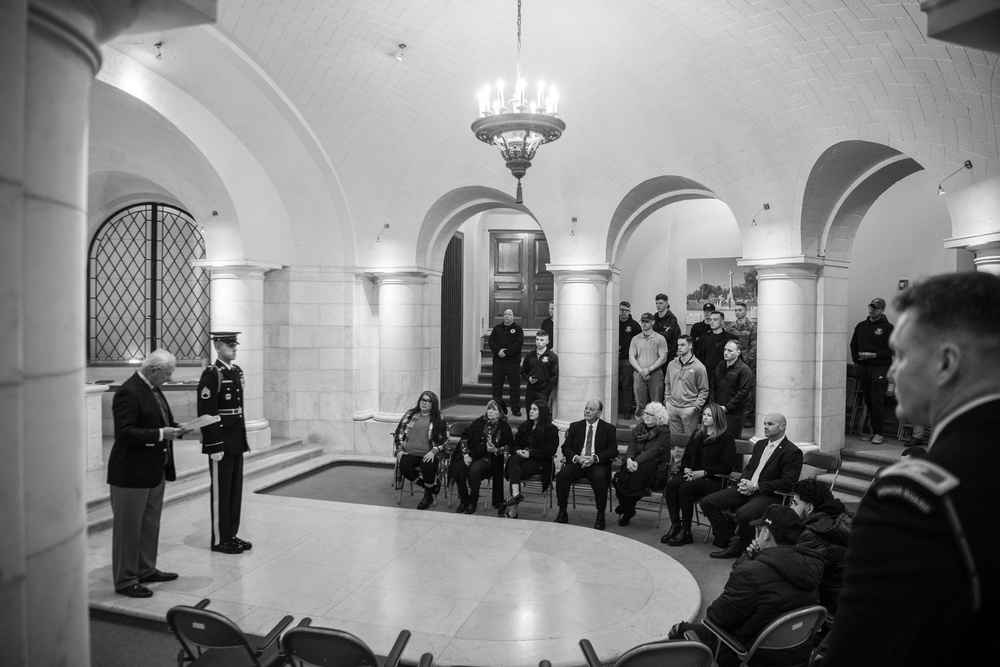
(872,356)
(140,464)
(540,371)
(506,341)
(628,329)
(731,385)
(220,392)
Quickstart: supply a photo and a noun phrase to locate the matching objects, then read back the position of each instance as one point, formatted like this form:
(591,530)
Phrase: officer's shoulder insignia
(206,393)
(927,474)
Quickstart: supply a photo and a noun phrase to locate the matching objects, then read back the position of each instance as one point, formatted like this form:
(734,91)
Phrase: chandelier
(520,124)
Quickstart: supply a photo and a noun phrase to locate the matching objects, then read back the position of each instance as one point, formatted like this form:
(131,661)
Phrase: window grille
(142,291)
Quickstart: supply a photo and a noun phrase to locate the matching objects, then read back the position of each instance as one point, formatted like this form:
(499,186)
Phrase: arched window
(142,292)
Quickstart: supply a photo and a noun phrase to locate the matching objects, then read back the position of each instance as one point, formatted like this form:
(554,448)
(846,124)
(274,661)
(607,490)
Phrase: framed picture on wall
(719,281)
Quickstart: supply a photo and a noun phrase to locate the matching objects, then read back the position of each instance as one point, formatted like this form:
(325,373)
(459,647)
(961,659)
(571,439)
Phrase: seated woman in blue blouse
(710,452)
(531,454)
(419,440)
(480,453)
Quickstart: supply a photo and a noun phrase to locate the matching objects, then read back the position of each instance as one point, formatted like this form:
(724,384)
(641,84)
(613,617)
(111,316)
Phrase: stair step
(881,457)
(195,483)
(865,469)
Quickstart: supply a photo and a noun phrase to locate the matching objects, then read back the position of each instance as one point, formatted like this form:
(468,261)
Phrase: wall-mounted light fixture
(572,230)
(966,165)
(378,239)
(159,50)
(399,53)
(753,222)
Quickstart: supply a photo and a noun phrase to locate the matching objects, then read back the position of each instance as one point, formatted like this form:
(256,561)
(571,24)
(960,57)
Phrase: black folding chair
(306,646)
(209,638)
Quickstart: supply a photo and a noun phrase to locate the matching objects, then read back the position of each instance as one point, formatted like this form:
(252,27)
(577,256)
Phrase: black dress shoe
(242,543)
(228,547)
(675,530)
(562,517)
(514,500)
(599,523)
(471,509)
(732,551)
(461,508)
(721,544)
(156,576)
(135,591)
(682,539)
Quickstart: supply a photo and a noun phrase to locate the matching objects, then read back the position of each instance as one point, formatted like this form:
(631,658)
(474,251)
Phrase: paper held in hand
(200,422)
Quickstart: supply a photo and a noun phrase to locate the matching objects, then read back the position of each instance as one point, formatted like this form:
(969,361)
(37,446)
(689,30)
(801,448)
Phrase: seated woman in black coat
(650,443)
(480,453)
(531,453)
(710,451)
(419,440)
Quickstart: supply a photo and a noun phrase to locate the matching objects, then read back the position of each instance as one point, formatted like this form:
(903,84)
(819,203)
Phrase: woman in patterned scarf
(420,440)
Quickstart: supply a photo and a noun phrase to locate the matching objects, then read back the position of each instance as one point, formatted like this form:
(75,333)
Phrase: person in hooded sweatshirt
(826,527)
(775,577)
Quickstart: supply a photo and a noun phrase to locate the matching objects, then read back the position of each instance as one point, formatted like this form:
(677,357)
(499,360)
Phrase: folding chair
(656,654)
(790,631)
(209,638)
(440,474)
(306,646)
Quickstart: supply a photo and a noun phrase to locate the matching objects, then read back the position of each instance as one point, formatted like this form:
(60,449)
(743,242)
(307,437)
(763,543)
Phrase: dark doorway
(451,319)
(518,279)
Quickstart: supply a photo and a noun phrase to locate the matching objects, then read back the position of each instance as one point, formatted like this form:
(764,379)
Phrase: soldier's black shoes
(156,576)
(243,543)
(135,591)
(228,547)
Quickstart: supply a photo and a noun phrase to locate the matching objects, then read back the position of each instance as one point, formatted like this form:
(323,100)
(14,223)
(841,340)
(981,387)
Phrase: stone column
(985,247)
(405,316)
(787,346)
(583,321)
(237,304)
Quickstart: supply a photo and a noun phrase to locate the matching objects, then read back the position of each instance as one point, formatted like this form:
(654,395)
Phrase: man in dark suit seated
(590,447)
(774,467)
(140,464)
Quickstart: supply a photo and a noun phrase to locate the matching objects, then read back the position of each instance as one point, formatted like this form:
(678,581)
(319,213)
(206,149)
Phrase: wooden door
(451,320)
(518,279)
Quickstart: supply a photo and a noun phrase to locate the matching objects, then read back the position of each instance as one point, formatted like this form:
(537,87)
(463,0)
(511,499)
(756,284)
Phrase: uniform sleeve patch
(927,474)
(206,393)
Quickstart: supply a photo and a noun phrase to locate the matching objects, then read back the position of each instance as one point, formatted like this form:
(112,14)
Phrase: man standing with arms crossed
(872,356)
(220,392)
(685,388)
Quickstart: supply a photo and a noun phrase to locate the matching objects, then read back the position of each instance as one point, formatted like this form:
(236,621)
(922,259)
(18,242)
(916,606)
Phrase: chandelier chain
(518,40)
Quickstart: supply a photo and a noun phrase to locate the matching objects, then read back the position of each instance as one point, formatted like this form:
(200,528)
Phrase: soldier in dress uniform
(920,583)
(220,392)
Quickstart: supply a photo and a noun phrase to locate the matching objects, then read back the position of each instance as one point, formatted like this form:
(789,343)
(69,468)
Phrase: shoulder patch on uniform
(926,473)
(205,393)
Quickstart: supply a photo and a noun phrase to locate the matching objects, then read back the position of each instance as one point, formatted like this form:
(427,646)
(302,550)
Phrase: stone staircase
(859,465)
(194,481)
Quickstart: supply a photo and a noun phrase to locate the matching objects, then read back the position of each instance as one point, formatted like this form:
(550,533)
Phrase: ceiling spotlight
(966,165)
(399,54)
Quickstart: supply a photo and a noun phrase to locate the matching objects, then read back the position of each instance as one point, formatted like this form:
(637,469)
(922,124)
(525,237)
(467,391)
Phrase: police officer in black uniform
(920,583)
(220,392)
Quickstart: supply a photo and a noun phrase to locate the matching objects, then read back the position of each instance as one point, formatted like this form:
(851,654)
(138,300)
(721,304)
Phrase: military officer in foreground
(220,392)
(920,583)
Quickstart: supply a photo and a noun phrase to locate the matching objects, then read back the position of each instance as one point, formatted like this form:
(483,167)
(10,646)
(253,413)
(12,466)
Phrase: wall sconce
(159,52)
(967,165)
(399,53)
(378,239)
(753,221)
(572,230)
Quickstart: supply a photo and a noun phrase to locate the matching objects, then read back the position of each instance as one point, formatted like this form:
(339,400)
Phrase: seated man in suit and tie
(590,447)
(774,467)
(140,464)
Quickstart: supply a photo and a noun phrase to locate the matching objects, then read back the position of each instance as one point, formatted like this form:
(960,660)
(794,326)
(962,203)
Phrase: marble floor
(471,589)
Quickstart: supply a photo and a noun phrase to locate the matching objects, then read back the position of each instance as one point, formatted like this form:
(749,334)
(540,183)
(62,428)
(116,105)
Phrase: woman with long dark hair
(650,443)
(480,453)
(711,451)
(531,453)
(420,439)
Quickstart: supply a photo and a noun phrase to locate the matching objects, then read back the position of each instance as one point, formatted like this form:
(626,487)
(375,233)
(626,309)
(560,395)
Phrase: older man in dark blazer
(140,464)
(774,467)
(590,447)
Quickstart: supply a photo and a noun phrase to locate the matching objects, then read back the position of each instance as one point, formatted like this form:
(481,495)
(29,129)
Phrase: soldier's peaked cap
(226,336)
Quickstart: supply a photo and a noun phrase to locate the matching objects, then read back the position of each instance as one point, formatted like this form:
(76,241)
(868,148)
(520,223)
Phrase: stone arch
(643,200)
(448,213)
(843,183)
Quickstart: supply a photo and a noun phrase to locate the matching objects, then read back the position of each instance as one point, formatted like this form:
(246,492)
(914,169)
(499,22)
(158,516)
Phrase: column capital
(582,273)
(799,266)
(402,275)
(235,268)
(975,243)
